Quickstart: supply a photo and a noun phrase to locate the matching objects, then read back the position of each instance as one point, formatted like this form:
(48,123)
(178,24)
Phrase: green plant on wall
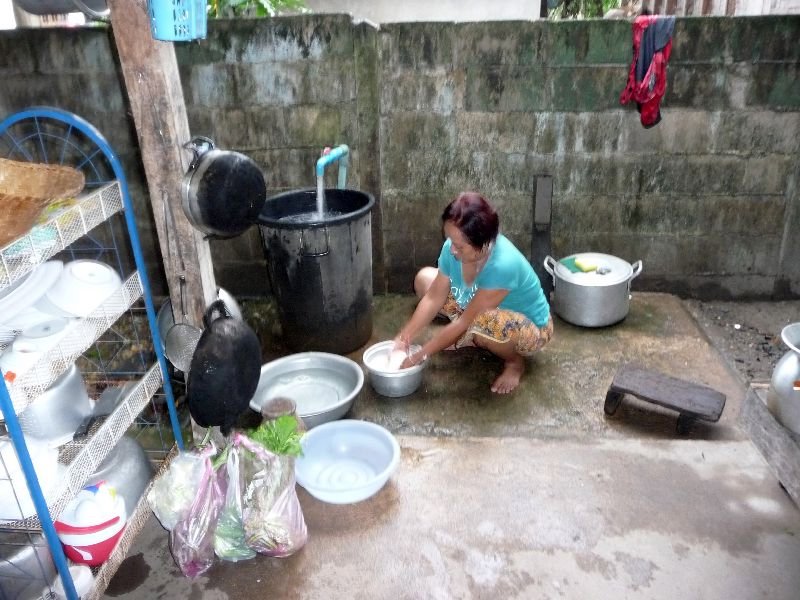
(227,9)
(581,9)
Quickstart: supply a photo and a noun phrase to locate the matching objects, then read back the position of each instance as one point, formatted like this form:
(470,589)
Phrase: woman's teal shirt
(506,269)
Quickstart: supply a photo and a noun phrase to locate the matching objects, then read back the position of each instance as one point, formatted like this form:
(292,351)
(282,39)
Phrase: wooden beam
(153,84)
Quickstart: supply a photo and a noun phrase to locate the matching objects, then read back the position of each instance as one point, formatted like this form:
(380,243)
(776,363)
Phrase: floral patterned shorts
(501,325)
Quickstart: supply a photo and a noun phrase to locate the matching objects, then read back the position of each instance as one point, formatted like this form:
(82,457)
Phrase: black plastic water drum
(320,267)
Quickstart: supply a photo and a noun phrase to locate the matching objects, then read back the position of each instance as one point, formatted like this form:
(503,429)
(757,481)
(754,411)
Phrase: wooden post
(155,94)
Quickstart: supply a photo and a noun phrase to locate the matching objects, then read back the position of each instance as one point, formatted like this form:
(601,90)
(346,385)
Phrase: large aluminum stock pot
(595,297)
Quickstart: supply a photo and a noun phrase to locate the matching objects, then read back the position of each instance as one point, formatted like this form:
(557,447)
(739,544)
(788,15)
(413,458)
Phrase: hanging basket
(178,20)
(26,189)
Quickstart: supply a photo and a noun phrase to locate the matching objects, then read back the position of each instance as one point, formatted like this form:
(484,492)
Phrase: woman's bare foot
(508,380)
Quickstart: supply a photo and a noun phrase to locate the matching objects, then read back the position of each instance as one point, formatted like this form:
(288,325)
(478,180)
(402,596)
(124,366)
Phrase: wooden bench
(691,400)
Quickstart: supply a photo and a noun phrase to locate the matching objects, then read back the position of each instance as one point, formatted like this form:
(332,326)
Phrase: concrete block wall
(708,199)
(280,91)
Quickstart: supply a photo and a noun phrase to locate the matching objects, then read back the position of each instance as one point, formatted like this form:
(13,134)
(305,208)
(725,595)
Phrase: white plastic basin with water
(346,461)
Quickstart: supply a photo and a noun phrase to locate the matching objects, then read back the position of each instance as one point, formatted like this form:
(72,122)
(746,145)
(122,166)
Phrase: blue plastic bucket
(178,20)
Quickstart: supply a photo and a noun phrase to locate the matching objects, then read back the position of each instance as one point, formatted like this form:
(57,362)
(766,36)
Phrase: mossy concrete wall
(708,199)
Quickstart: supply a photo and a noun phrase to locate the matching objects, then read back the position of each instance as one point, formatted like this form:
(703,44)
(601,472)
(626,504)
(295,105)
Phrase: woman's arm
(482,301)
(426,309)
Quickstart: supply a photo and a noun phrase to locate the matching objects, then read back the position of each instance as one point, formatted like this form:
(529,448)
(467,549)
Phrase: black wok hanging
(223,191)
(225,369)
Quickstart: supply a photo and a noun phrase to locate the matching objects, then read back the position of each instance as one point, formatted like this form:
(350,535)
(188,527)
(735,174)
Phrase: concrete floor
(533,495)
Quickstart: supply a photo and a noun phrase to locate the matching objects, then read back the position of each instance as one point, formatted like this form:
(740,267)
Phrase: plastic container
(126,468)
(82,286)
(178,20)
(347,461)
(92,524)
(17,301)
(15,499)
(320,269)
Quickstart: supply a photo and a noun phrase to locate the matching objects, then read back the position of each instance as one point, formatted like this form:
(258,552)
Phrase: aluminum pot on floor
(591,289)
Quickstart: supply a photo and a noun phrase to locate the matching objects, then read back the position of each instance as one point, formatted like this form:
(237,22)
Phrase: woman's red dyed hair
(474,217)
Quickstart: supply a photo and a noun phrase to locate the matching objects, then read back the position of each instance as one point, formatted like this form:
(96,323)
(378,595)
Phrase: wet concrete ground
(537,494)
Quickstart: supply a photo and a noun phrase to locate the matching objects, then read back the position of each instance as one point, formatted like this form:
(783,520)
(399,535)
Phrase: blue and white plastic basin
(346,461)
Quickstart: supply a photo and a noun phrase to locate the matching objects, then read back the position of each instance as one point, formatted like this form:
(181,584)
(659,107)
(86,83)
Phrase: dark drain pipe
(540,238)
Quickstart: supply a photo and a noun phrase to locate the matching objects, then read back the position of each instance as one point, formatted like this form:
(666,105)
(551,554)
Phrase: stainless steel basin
(322,385)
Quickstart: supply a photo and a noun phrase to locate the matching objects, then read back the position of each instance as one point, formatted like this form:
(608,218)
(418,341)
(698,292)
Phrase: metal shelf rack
(50,135)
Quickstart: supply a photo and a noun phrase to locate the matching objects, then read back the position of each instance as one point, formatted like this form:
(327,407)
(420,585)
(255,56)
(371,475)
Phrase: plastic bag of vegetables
(229,539)
(191,541)
(174,491)
(271,513)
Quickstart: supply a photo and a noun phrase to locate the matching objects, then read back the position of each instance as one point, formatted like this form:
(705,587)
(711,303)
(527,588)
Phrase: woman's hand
(401,343)
(414,359)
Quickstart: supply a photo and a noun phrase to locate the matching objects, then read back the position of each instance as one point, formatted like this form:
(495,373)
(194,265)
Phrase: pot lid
(593,268)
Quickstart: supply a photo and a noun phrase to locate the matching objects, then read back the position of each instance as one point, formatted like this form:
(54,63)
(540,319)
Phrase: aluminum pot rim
(790,335)
(561,273)
(401,373)
(191,181)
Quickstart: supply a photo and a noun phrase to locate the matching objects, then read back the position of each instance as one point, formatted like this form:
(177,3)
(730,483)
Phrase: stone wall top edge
(341,18)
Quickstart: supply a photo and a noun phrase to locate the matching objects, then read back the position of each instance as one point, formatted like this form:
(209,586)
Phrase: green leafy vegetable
(280,436)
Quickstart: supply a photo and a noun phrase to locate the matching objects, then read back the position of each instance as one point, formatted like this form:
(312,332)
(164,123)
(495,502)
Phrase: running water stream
(337,154)
(320,196)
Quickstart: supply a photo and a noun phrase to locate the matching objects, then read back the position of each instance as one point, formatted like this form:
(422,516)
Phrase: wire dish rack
(117,343)
(69,221)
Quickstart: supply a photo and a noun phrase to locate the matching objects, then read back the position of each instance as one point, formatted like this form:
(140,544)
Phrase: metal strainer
(180,343)
(181,339)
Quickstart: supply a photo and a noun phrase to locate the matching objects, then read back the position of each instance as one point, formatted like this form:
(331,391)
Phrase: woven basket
(26,189)
(36,180)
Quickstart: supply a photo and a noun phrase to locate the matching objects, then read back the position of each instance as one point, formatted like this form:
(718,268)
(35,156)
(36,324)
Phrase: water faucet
(339,153)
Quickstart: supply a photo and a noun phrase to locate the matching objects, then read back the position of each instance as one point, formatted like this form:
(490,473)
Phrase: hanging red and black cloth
(647,78)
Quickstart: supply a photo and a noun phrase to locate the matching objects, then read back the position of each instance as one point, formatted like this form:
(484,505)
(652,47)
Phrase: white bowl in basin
(346,461)
(323,386)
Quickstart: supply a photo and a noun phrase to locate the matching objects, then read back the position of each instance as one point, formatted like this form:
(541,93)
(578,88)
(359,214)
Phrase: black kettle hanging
(223,192)
(225,369)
